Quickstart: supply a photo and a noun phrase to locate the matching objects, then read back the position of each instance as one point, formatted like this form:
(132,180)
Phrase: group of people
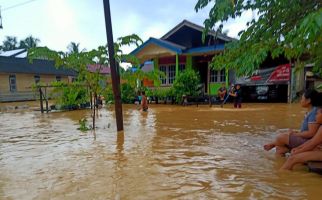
(234,91)
(304,145)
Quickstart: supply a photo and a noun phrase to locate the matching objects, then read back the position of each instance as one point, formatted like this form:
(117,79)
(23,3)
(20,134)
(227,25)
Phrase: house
(18,75)
(182,48)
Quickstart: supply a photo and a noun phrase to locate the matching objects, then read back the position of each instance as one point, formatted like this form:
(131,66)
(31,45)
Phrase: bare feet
(269,146)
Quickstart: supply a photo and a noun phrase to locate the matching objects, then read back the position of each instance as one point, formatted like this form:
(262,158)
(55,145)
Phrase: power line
(17,5)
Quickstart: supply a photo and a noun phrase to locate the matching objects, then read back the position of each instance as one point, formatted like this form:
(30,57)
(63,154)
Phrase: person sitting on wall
(286,141)
(309,151)
(222,91)
(237,94)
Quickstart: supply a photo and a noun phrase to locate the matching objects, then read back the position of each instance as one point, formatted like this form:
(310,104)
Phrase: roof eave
(158,43)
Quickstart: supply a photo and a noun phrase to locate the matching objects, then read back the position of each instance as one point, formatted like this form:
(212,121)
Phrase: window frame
(217,76)
(37,79)
(170,73)
(12,86)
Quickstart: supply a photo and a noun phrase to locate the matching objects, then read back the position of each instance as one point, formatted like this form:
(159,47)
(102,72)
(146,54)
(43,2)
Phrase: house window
(171,73)
(12,83)
(163,79)
(182,67)
(37,78)
(222,75)
(217,76)
(58,78)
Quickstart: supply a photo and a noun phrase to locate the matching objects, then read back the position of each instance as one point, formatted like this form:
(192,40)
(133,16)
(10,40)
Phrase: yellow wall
(24,82)
(4,83)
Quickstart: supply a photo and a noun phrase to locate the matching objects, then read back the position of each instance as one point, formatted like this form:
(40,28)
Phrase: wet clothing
(238,98)
(308,119)
(144,103)
(222,93)
(295,141)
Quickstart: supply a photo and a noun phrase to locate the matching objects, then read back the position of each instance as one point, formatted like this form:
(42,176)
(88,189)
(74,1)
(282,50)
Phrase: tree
(291,29)
(79,61)
(29,42)
(73,48)
(10,43)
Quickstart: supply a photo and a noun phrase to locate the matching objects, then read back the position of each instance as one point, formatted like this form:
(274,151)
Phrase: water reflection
(171,152)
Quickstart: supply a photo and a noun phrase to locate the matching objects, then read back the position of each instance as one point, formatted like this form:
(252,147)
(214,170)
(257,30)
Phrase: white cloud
(234,26)
(58,22)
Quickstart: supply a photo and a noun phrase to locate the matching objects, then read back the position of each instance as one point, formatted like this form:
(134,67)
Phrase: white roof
(22,55)
(16,53)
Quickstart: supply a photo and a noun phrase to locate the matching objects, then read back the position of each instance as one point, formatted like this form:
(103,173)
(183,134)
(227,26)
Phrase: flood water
(171,152)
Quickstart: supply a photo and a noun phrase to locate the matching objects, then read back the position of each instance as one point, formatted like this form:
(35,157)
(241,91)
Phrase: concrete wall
(4,83)
(24,83)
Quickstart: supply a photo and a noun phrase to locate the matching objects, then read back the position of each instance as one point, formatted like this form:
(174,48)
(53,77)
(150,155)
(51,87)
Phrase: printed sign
(281,73)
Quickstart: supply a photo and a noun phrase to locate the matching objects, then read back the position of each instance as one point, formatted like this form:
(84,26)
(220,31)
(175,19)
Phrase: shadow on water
(171,152)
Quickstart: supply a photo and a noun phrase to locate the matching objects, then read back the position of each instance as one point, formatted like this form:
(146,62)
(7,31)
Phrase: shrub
(187,83)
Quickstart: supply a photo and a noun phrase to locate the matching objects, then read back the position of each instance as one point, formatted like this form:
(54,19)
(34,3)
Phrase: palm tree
(29,42)
(73,48)
(10,43)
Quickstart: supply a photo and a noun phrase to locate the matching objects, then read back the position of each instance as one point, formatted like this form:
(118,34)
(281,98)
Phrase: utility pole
(114,67)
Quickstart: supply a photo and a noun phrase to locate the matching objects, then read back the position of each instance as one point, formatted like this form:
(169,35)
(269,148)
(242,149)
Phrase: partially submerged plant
(83,125)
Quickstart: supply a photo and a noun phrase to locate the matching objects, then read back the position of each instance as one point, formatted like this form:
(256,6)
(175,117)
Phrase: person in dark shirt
(237,94)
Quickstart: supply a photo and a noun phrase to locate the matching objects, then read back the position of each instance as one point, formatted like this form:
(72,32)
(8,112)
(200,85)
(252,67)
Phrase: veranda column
(177,65)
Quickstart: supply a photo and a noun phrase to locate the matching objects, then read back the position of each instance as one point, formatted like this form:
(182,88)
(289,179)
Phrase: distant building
(182,48)
(18,75)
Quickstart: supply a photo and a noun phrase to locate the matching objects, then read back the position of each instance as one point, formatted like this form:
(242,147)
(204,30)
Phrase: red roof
(103,69)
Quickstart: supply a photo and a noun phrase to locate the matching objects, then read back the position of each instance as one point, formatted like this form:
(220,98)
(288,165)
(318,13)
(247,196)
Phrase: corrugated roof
(217,47)
(103,69)
(13,53)
(22,65)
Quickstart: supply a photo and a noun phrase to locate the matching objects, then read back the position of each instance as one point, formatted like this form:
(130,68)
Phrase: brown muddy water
(171,152)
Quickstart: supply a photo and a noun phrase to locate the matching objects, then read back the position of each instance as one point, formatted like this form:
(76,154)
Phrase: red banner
(281,73)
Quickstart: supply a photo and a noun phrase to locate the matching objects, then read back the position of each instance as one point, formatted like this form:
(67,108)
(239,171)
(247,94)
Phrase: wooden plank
(315,166)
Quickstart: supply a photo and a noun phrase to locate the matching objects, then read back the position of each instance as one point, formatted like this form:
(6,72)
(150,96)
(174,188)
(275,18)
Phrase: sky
(58,22)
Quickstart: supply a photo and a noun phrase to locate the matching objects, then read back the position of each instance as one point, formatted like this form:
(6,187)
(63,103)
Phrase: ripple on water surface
(171,152)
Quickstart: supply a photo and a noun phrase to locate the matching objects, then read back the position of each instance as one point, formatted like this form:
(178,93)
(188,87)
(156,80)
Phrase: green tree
(137,76)
(29,42)
(79,61)
(282,27)
(74,48)
(10,43)
(187,83)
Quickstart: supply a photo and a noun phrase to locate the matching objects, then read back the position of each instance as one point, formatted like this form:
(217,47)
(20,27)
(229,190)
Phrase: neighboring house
(18,75)
(103,70)
(311,80)
(182,48)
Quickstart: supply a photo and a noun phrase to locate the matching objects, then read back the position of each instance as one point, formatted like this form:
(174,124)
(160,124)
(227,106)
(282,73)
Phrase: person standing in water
(222,91)
(144,102)
(237,94)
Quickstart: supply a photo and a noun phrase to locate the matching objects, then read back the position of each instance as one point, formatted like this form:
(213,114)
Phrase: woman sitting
(309,151)
(286,141)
